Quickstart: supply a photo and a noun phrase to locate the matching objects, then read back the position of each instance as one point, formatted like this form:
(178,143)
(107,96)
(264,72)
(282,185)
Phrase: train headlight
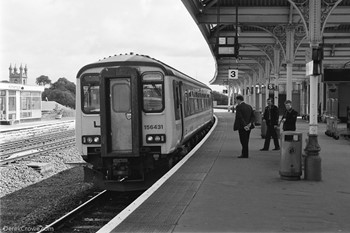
(96,139)
(155,138)
(91,139)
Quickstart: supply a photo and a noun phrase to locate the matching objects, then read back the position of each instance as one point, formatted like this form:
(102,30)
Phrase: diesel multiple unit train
(136,114)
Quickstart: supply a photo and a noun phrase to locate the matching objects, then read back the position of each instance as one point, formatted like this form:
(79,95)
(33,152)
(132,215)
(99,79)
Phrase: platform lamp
(236,44)
(317,57)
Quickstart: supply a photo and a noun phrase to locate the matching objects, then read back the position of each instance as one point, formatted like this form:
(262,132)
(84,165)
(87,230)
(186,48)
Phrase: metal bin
(290,164)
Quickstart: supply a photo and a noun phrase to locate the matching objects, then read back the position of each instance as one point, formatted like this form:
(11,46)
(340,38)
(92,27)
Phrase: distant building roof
(14,86)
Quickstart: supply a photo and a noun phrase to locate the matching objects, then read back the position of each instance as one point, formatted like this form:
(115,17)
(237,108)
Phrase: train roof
(138,60)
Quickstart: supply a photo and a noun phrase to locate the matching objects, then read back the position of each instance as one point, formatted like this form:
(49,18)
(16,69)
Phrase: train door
(178,109)
(120,112)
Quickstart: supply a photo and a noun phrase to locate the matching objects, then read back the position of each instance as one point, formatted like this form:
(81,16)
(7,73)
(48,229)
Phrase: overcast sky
(57,37)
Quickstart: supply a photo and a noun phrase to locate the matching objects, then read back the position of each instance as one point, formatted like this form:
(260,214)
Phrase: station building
(19,102)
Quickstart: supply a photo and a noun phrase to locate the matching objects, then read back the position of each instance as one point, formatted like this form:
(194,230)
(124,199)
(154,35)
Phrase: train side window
(90,94)
(195,104)
(190,106)
(186,105)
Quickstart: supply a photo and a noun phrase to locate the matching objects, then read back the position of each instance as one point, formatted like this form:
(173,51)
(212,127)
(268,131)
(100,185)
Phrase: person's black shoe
(277,148)
(263,149)
(242,157)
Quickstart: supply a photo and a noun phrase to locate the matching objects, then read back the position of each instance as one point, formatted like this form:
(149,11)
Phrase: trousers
(244,139)
(271,132)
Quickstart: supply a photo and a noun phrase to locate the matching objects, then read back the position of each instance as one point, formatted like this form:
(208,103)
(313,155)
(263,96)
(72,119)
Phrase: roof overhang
(261,31)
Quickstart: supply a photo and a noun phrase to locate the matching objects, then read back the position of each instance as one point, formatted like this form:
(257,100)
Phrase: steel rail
(31,131)
(29,142)
(50,147)
(42,126)
(59,222)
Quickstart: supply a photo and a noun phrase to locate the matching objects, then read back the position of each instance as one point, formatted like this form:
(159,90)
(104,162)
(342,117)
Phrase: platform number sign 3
(232,74)
(271,86)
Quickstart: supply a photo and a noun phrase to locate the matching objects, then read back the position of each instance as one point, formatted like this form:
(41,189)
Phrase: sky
(57,37)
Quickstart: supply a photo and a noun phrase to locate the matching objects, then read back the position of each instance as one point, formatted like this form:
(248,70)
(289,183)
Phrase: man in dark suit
(243,123)
(271,118)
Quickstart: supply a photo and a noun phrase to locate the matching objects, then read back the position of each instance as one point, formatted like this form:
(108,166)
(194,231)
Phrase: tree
(65,98)
(62,91)
(220,98)
(64,85)
(43,80)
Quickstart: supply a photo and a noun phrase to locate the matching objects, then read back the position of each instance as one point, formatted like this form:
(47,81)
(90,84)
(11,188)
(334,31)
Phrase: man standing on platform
(243,123)
(271,118)
(289,118)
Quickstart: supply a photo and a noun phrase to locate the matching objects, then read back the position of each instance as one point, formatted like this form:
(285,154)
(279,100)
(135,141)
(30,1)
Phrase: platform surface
(214,191)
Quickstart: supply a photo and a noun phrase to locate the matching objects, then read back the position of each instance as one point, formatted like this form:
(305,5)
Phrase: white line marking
(135,204)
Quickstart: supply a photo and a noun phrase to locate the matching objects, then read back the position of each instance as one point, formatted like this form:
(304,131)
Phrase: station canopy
(263,30)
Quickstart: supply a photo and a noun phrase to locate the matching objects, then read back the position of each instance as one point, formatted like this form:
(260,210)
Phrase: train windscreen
(152,97)
(91,94)
(153,93)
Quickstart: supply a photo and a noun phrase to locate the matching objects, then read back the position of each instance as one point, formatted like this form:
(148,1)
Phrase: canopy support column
(313,160)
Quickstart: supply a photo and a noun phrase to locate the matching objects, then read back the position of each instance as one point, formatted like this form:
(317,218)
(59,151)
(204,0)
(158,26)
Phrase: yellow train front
(135,116)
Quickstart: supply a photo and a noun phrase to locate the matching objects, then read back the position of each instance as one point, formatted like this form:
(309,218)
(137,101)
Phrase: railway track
(32,142)
(39,150)
(34,131)
(28,146)
(94,213)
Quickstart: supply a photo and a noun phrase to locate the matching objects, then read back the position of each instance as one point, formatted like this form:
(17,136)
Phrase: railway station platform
(214,191)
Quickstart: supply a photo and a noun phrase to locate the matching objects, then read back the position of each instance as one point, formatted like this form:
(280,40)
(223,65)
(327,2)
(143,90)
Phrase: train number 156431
(147,127)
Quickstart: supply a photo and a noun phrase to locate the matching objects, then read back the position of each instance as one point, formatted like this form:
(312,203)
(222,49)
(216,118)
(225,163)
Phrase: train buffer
(216,192)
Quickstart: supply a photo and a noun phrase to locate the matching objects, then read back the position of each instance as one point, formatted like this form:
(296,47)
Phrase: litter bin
(290,165)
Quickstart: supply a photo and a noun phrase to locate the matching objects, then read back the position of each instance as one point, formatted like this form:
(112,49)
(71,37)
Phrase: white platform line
(133,206)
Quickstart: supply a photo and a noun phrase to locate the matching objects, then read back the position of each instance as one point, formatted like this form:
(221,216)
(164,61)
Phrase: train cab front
(120,127)
(122,162)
